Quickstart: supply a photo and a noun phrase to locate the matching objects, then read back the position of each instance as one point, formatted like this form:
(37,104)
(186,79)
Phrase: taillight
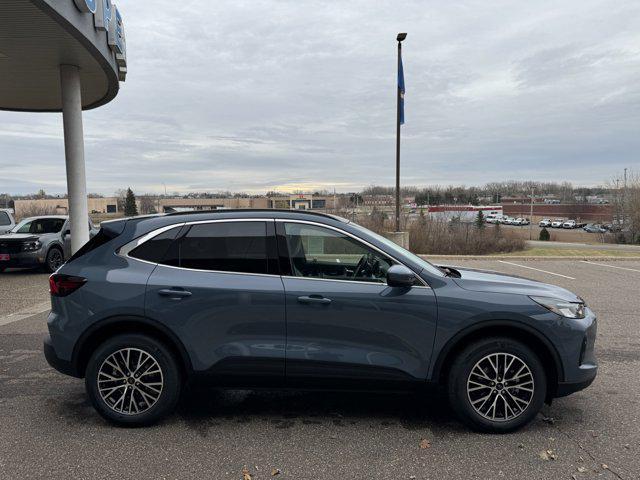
(62,285)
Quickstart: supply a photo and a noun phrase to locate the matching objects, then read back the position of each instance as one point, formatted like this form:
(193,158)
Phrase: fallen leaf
(547,455)
(605,466)
(245,474)
(424,444)
(275,471)
(582,469)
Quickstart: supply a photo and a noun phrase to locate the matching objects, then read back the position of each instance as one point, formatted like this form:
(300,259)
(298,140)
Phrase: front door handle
(315,299)
(174,293)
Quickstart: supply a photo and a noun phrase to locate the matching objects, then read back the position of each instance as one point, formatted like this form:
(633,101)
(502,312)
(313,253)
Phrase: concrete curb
(531,257)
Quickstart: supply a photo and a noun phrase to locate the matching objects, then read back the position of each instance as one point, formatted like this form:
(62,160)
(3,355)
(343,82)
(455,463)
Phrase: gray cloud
(255,95)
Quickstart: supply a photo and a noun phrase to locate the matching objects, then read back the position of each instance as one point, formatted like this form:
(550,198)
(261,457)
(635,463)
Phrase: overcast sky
(259,95)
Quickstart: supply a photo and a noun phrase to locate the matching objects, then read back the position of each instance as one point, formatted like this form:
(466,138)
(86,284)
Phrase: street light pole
(531,215)
(399,100)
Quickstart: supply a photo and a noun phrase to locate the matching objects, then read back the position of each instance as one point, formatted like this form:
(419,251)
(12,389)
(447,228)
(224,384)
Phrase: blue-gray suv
(267,298)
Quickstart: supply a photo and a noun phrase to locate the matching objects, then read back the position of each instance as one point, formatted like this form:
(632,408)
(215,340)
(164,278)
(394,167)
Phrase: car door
(65,237)
(345,326)
(218,288)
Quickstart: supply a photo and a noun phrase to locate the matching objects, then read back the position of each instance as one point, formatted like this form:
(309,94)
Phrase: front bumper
(63,366)
(580,365)
(567,388)
(24,260)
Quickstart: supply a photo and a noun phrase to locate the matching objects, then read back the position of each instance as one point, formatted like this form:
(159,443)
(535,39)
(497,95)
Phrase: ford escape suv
(272,298)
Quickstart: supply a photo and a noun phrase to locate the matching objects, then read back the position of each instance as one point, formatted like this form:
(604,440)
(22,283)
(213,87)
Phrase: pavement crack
(586,451)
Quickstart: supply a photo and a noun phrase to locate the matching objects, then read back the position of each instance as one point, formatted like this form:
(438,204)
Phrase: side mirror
(67,232)
(400,276)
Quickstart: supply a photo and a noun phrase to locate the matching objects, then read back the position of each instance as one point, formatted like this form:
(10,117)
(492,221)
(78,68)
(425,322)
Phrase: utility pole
(531,215)
(624,200)
(399,121)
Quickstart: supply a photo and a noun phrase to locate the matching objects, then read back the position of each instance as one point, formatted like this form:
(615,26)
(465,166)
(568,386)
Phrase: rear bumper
(63,366)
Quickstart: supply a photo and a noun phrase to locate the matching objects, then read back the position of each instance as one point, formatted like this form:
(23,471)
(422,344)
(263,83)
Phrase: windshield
(39,226)
(402,252)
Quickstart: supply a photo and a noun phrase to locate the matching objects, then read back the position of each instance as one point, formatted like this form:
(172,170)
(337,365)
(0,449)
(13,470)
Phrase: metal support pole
(531,216)
(74,154)
(398,146)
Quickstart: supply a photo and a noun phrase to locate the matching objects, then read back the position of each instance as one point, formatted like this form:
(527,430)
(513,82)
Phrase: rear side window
(154,250)
(4,219)
(222,246)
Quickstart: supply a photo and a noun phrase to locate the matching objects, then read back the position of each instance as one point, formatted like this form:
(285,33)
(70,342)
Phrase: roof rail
(266,210)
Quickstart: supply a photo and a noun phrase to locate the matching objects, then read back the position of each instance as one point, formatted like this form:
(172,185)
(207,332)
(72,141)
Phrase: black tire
(460,375)
(169,389)
(55,258)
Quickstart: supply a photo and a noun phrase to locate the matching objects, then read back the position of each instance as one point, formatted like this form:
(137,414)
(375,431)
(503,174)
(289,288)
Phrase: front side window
(221,246)
(318,252)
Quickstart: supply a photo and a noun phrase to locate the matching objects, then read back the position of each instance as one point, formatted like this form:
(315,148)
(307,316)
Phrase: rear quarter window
(154,250)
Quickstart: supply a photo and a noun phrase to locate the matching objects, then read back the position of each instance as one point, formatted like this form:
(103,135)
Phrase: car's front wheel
(54,259)
(497,385)
(133,380)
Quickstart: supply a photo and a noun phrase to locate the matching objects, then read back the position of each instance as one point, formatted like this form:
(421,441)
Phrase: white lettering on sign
(107,18)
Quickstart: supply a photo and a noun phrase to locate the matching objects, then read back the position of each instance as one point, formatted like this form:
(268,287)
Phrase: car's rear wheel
(133,380)
(54,259)
(497,385)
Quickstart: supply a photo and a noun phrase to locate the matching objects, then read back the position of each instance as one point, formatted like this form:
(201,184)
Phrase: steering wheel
(366,265)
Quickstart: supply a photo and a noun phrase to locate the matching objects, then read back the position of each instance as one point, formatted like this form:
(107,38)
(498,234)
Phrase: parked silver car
(38,242)
(6,221)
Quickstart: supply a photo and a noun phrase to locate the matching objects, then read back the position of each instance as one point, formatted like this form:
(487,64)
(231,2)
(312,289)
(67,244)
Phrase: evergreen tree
(544,235)
(130,208)
(480,219)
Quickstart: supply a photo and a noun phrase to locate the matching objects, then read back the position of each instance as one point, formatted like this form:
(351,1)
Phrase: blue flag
(401,88)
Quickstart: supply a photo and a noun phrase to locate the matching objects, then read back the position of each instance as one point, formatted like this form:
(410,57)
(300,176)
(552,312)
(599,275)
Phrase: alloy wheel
(130,381)
(55,259)
(500,387)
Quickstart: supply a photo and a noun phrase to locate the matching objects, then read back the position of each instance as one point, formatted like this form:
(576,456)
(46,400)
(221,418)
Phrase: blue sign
(86,6)
(106,17)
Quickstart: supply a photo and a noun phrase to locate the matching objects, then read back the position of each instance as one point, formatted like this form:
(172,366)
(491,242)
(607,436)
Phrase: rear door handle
(315,299)
(177,294)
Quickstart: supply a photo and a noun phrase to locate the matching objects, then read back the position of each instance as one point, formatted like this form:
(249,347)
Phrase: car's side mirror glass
(67,232)
(400,276)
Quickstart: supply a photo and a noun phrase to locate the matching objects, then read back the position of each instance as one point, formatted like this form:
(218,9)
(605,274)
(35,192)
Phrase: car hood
(18,237)
(494,282)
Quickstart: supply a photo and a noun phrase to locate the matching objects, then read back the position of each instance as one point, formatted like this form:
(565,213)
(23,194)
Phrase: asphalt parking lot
(48,429)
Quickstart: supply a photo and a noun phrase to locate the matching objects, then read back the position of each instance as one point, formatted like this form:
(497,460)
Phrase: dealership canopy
(68,56)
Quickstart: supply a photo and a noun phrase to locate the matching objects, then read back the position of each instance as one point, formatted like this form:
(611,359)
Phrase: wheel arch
(540,344)
(104,329)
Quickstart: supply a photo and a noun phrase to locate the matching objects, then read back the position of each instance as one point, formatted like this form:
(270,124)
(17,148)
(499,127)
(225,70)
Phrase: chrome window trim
(128,247)
(363,282)
(358,239)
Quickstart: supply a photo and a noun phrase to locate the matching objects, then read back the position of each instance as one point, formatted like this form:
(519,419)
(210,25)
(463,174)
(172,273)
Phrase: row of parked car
(571,224)
(560,223)
(504,220)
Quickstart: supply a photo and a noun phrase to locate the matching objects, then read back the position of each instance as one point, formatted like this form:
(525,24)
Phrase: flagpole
(400,38)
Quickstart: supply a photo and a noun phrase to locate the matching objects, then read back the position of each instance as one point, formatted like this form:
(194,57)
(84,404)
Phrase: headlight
(561,307)
(31,246)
